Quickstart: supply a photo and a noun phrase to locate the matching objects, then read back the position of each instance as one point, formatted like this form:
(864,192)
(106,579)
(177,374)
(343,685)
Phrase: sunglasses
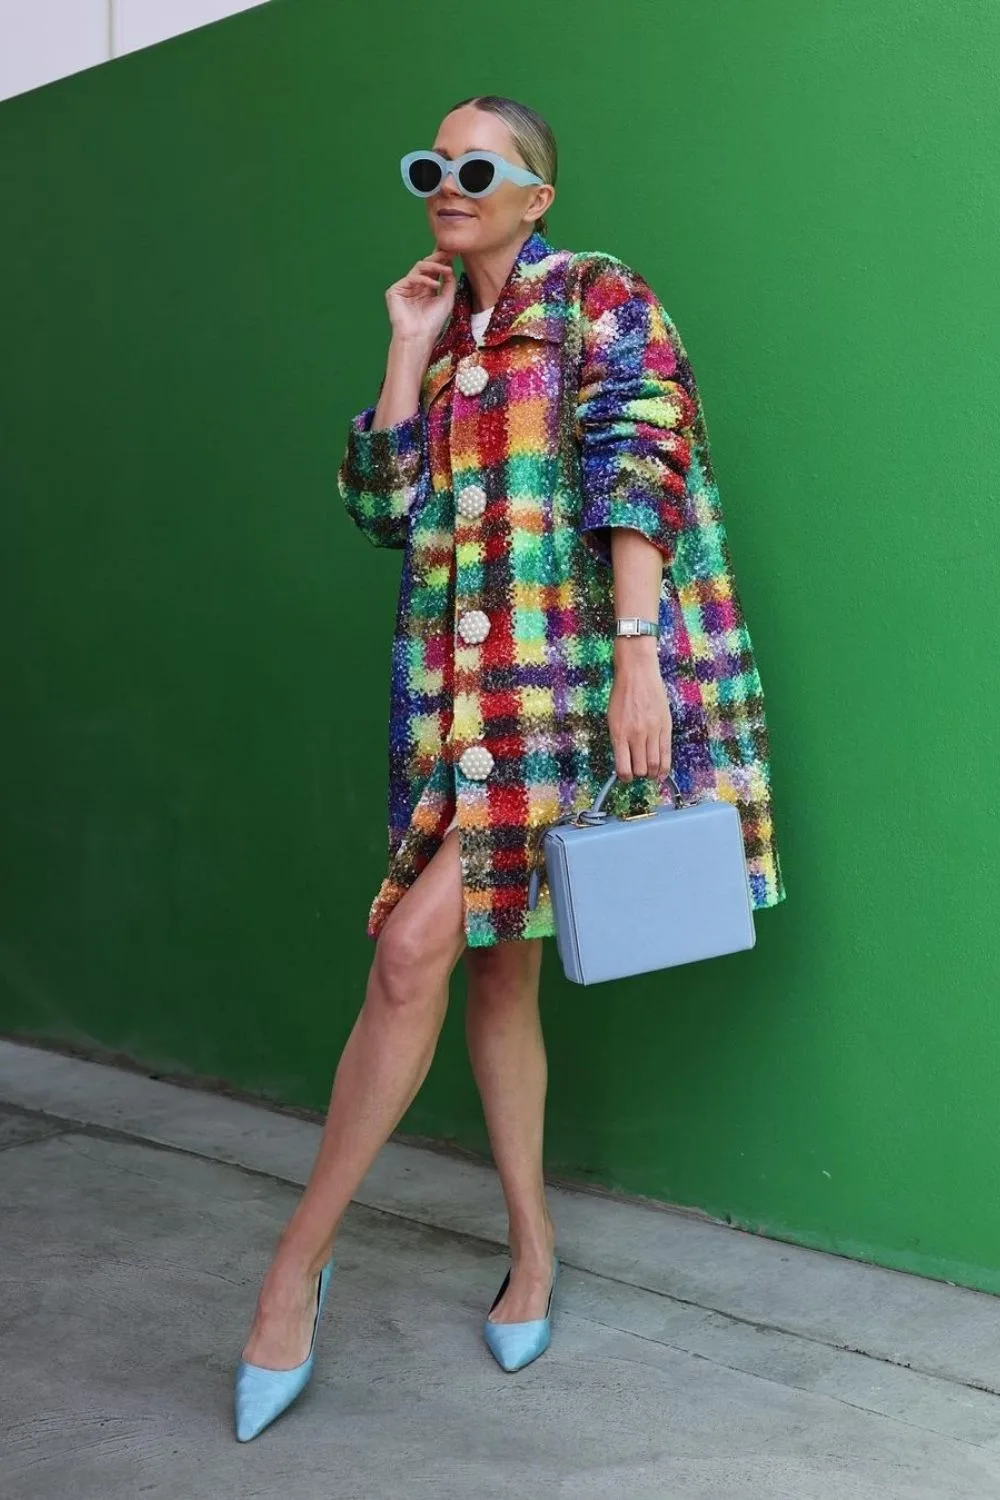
(476,173)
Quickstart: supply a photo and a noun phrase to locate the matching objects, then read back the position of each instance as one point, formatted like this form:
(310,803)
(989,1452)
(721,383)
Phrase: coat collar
(521,309)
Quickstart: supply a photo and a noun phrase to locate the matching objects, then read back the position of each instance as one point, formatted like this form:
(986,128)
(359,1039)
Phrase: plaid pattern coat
(578,412)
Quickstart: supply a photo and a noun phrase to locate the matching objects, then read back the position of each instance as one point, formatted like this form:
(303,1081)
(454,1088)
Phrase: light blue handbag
(645,891)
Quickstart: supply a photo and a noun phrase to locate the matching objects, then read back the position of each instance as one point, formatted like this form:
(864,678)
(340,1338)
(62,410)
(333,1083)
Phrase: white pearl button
(476,762)
(474,626)
(471,379)
(471,501)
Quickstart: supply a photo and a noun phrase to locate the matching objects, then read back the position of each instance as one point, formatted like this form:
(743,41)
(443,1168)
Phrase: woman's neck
(488,273)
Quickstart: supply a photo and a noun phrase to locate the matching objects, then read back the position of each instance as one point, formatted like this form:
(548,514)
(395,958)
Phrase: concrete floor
(689,1361)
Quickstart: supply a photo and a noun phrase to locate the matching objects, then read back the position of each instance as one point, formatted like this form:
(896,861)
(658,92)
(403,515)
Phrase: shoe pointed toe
(262,1396)
(514,1345)
(248,1424)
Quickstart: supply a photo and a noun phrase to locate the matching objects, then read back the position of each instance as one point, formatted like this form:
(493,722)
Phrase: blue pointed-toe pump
(262,1395)
(514,1345)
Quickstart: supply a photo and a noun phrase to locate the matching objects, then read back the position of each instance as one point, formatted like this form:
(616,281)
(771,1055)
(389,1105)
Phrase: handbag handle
(595,813)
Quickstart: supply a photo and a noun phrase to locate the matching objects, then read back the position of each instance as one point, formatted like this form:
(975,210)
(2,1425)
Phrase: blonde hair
(532,135)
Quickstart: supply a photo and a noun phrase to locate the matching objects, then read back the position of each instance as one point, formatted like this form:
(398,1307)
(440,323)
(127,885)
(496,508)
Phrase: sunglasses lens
(476,175)
(425,174)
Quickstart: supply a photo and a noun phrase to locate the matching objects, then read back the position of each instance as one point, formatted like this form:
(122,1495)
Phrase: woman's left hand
(639,716)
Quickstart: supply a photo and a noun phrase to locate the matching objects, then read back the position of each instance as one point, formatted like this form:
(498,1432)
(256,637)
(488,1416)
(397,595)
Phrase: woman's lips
(452,213)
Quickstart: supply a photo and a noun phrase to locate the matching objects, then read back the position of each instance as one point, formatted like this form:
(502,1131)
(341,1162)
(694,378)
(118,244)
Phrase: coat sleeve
(383,475)
(634,412)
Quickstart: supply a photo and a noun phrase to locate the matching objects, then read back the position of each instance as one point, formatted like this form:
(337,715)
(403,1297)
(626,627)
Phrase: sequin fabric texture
(578,412)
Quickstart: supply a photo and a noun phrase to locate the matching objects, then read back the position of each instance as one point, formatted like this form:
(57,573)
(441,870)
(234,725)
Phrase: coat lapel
(521,310)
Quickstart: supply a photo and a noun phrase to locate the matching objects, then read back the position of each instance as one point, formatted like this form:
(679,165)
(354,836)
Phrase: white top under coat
(479,321)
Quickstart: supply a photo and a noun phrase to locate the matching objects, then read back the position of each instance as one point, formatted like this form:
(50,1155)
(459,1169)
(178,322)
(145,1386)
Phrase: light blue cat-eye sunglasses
(477,173)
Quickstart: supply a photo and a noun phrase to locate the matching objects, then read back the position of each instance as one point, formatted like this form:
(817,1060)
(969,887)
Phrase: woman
(566,606)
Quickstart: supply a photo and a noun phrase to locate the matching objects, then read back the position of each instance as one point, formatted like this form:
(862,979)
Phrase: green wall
(195,639)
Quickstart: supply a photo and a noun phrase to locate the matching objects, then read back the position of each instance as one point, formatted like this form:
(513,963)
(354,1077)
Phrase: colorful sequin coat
(578,412)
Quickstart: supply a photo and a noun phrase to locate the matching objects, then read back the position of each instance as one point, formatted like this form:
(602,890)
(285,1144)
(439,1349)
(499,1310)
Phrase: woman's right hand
(417,310)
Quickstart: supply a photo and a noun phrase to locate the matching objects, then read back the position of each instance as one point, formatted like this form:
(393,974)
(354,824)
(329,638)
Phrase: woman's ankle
(293,1258)
(534,1243)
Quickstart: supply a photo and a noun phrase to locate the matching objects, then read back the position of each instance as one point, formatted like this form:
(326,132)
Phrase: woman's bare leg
(507,1051)
(383,1064)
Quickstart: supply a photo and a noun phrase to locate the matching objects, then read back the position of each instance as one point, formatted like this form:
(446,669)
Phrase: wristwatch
(635,626)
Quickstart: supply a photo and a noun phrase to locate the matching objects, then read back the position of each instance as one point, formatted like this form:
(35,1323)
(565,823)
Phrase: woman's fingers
(644,753)
(436,267)
(641,729)
(649,751)
(420,279)
(666,750)
(427,273)
(637,751)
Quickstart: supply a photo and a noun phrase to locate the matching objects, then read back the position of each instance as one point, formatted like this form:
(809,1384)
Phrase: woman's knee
(423,936)
(409,966)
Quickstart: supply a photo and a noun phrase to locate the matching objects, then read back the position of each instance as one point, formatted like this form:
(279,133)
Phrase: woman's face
(461,224)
